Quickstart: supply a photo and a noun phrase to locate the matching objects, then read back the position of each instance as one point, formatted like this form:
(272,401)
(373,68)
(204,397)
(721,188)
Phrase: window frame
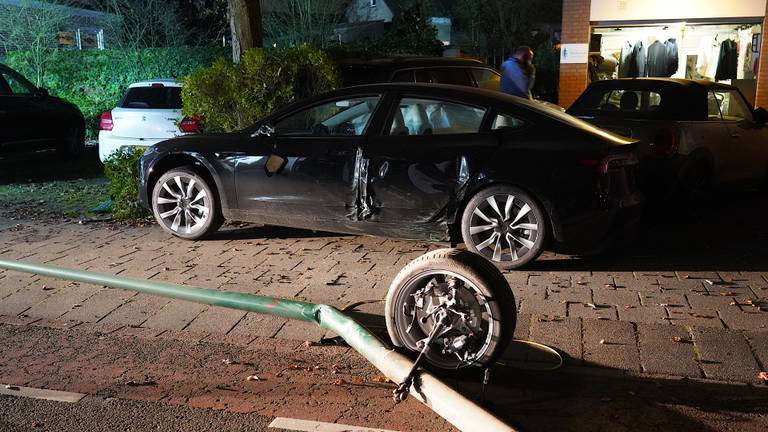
(273,120)
(395,105)
(739,96)
(21,79)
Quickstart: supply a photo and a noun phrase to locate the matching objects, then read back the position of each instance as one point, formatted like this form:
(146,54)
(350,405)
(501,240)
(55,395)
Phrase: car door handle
(735,135)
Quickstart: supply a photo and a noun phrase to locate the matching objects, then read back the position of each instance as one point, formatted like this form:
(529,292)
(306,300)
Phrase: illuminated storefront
(696,39)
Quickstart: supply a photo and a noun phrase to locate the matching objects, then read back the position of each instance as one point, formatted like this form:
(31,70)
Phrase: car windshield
(154,97)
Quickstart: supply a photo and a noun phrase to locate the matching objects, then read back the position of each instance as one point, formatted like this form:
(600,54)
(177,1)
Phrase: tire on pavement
(506,225)
(480,307)
(185,205)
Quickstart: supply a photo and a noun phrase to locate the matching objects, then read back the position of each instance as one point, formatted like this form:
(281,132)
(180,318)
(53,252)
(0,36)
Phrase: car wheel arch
(177,160)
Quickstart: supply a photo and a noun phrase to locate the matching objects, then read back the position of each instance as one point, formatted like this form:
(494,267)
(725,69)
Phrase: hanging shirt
(624,60)
(657,60)
(673,59)
(727,61)
(706,62)
(637,60)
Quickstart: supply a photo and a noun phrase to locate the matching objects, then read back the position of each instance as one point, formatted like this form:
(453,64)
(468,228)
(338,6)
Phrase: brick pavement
(676,304)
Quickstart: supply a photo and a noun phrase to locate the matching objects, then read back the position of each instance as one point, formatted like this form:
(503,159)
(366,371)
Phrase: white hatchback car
(149,112)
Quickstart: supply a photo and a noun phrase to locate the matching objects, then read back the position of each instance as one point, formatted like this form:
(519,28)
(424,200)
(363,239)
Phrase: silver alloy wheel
(435,295)
(504,228)
(183,205)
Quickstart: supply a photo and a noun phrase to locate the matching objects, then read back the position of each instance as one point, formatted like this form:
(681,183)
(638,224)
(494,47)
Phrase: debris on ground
(253,378)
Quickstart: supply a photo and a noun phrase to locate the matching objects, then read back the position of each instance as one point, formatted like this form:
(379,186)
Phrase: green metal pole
(445,401)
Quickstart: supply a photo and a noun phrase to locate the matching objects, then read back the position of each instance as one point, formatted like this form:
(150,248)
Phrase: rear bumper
(109,143)
(593,232)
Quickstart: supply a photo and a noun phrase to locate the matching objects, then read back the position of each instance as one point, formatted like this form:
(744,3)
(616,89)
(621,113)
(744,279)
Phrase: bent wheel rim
(182,205)
(504,228)
(470,313)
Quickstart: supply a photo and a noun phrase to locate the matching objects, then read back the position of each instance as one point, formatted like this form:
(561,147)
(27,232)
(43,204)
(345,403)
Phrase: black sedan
(430,162)
(31,119)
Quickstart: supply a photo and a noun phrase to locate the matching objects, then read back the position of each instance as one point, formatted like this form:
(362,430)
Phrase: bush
(230,96)
(122,170)
(95,80)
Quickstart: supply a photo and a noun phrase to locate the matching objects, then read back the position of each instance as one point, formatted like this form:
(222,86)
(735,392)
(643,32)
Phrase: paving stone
(747,319)
(661,354)
(569,295)
(136,310)
(610,344)
(562,334)
(598,312)
(617,297)
(175,315)
(689,317)
(98,305)
(23,299)
(300,331)
(216,320)
(260,325)
(759,343)
(543,308)
(725,355)
(63,300)
(665,299)
(714,302)
(644,314)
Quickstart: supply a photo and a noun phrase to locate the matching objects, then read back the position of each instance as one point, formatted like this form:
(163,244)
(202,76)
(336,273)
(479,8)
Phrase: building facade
(695,39)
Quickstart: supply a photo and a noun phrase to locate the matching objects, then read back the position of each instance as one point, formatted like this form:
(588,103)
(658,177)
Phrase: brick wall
(761,98)
(573,76)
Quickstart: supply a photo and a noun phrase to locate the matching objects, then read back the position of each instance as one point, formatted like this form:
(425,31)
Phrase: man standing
(518,73)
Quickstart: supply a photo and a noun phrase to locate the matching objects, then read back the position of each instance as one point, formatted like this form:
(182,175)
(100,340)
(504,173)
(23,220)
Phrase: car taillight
(618,160)
(190,124)
(105,122)
(664,143)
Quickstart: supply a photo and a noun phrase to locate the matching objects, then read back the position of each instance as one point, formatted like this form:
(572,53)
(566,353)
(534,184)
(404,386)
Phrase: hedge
(95,80)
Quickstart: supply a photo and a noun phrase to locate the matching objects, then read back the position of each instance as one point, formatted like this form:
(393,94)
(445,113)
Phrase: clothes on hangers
(656,65)
(673,58)
(624,60)
(637,60)
(727,61)
(706,62)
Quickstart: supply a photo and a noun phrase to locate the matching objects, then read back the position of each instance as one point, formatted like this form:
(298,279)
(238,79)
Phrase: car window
(431,117)
(506,121)
(454,75)
(619,100)
(486,78)
(713,107)
(345,117)
(16,84)
(154,97)
(732,106)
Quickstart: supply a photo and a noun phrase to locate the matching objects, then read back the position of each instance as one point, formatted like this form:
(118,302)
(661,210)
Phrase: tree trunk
(245,23)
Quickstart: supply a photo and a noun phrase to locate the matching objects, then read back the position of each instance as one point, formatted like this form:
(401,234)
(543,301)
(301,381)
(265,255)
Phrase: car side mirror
(41,92)
(264,130)
(761,116)
(275,164)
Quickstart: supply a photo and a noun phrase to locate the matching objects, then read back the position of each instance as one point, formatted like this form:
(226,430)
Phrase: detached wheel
(464,291)
(185,205)
(505,225)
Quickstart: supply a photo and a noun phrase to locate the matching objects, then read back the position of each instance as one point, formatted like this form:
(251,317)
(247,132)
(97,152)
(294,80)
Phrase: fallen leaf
(253,378)
(677,339)
(340,382)
(381,379)
(602,341)
(358,380)
(592,305)
(227,361)
(763,376)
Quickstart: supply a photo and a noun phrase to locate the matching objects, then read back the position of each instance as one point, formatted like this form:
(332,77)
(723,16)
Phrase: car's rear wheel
(463,292)
(185,205)
(73,143)
(505,225)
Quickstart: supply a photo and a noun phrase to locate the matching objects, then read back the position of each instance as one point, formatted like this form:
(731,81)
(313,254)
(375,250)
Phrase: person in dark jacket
(518,73)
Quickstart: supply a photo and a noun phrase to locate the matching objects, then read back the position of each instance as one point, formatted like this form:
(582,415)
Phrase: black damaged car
(506,176)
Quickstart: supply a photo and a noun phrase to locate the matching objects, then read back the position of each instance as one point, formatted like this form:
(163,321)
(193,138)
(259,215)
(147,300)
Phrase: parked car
(434,70)
(430,162)
(149,112)
(429,70)
(691,133)
(31,119)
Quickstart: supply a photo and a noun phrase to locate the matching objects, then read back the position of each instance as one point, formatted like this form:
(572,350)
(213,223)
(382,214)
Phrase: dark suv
(438,70)
(31,119)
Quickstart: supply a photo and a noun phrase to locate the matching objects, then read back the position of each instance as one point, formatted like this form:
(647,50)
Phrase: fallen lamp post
(442,399)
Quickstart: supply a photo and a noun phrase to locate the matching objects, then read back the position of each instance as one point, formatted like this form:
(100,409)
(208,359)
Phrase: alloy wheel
(183,205)
(504,228)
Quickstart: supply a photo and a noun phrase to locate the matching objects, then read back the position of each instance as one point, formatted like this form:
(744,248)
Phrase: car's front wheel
(185,205)
(505,225)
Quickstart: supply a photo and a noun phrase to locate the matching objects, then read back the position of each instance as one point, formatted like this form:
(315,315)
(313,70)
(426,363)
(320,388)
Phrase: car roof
(412,62)
(650,82)
(168,82)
